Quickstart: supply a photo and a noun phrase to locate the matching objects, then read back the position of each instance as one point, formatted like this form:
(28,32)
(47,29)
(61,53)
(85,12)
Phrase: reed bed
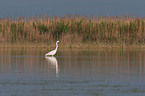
(71,30)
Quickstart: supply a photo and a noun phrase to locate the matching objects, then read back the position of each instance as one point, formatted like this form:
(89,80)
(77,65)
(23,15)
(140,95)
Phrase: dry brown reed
(71,30)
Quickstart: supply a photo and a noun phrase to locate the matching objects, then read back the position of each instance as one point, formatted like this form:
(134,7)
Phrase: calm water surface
(72,72)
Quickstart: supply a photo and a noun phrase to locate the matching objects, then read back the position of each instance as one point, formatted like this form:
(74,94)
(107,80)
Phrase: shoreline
(80,45)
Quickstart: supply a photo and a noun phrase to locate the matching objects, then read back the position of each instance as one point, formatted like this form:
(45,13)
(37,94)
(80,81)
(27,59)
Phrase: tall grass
(73,29)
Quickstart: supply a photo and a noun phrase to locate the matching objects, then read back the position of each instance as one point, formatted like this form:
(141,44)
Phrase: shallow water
(72,72)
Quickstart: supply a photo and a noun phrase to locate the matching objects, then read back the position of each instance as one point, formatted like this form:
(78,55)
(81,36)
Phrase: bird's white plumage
(53,52)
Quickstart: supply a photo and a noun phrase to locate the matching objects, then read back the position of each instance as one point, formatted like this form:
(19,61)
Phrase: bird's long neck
(56,46)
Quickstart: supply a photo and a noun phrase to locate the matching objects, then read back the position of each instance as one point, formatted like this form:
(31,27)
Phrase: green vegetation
(70,30)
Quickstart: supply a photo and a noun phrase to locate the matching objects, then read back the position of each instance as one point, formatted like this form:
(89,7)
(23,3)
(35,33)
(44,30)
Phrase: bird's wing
(51,52)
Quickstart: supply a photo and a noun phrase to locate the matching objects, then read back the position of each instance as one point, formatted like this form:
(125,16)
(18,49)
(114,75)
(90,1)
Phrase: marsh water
(72,72)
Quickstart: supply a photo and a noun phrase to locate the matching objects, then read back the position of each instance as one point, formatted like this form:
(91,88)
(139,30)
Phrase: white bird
(53,52)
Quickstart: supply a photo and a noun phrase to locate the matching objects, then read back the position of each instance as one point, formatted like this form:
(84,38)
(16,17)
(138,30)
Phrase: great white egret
(53,52)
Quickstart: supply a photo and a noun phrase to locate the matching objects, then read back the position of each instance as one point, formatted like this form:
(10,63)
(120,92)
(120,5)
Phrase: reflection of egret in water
(53,61)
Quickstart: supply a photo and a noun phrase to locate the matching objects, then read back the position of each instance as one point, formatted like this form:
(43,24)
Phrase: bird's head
(57,41)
